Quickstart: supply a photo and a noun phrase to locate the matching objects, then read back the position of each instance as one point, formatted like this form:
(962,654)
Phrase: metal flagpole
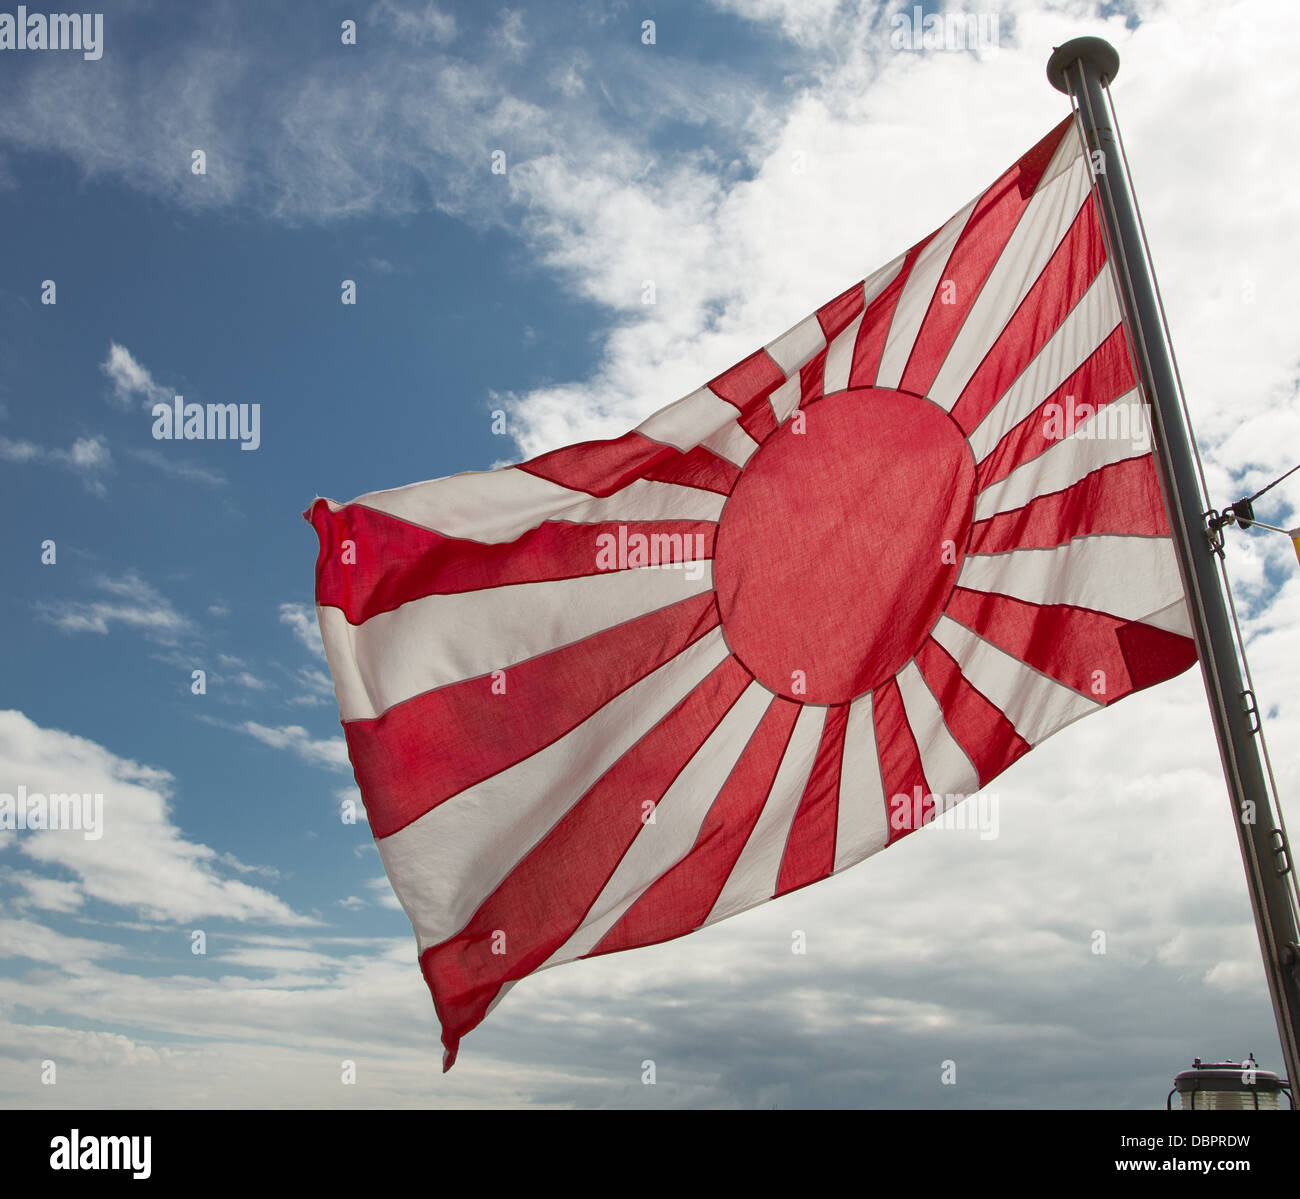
(1083,68)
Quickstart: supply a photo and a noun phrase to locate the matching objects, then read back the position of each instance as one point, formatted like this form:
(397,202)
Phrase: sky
(504,187)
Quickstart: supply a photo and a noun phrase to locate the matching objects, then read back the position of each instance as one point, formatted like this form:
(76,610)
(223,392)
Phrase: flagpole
(1083,68)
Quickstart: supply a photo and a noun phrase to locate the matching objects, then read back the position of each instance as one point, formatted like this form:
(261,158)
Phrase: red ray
(836,316)
(874,330)
(427,749)
(1123,497)
(1068,275)
(901,776)
(810,847)
(753,378)
(988,737)
(545,898)
(1101,378)
(601,468)
(985,236)
(1103,657)
(812,378)
(681,899)
(392,562)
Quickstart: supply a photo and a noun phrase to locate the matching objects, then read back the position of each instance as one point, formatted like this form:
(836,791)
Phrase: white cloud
(142,861)
(569,78)
(186,472)
(352,795)
(414,23)
(88,457)
(30,940)
(250,681)
(808,22)
(381,891)
(132,382)
(302,622)
(510,35)
(317,688)
(132,603)
(332,753)
(47,894)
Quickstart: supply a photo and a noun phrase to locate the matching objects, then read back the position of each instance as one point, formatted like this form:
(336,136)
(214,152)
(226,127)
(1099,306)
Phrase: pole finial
(1096,52)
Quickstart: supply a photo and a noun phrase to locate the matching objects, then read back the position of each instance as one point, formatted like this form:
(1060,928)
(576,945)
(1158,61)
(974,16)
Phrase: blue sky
(755,160)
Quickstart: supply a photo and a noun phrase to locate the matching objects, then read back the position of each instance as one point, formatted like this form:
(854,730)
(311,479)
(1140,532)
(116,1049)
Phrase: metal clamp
(1282,852)
(1251,708)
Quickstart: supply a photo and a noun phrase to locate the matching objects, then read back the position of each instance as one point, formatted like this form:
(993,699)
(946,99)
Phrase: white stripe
(862,825)
(1173,619)
(1036,705)
(446,863)
(645,499)
(785,399)
(1128,577)
(731,442)
(500,505)
(947,769)
(687,422)
(441,639)
(754,877)
(1090,322)
(796,346)
(658,847)
(1072,458)
(914,303)
(839,357)
(877,281)
(1042,227)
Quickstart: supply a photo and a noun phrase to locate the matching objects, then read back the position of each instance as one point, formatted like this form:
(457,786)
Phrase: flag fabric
(634,686)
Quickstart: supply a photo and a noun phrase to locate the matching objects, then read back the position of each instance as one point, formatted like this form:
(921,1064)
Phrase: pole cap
(1096,53)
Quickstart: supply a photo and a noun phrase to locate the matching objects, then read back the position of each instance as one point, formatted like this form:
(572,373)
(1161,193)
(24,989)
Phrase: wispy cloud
(427,23)
(511,36)
(131,381)
(332,753)
(88,457)
(381,891)
(186,472)
(317,688)
(130,603)
(301,619)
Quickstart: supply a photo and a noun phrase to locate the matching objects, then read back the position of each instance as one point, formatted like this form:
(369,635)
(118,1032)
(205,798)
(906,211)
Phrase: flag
(634,686)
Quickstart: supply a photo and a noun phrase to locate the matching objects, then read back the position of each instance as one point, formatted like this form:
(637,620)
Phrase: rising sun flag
(632,687)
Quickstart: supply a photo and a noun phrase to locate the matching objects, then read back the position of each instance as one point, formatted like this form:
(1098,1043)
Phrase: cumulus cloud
(142,862)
